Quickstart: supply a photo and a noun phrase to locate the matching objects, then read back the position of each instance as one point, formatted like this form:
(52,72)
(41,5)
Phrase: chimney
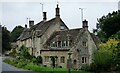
(57,11)
(44,16)
(31,23)
(85,25)
(25,25)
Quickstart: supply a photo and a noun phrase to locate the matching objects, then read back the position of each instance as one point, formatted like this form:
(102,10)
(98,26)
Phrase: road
(6,68)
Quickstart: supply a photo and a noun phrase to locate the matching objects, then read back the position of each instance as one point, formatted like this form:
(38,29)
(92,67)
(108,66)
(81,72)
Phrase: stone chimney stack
(85,25)
(31,23)
(44,16)
(57,11)
(25,25)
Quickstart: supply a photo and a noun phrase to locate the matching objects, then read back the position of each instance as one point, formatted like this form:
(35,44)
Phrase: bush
(92,67)
(34,60)
(13,53)
(85,67)
(59,66)
(21,63)
(102,60)
(39,60)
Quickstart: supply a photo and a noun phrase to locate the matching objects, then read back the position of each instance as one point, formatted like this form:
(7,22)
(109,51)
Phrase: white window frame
(83,60)
(62,59)
(46,58)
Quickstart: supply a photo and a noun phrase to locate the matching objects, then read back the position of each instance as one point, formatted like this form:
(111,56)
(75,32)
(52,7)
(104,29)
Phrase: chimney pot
(44,16)
(85,24)
(25,25)
(57,11)
(31,23)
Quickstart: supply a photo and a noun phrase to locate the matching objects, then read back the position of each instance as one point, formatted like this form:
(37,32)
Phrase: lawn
(41,69)
(50,70)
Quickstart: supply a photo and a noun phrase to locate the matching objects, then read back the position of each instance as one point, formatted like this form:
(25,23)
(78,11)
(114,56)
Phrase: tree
(5,39)
(108,25)
(116,36)
(116,51)
(107,57)
(16,33)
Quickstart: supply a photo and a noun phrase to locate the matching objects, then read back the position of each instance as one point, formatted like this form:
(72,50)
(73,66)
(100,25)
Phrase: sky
(14,13)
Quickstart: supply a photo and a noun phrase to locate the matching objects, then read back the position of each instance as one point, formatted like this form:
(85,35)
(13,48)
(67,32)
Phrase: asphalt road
(6,68)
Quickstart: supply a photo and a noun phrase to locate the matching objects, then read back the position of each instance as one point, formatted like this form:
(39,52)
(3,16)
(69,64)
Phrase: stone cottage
(57,44)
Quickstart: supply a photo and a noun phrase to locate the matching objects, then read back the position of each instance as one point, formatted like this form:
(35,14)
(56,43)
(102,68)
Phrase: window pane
(82,59)
(59,44)
(62,59)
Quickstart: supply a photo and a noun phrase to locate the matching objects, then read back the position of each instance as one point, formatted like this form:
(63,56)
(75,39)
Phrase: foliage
(5,39)
(39,60)
(13,53)
(21,63)
(108,25)
(92,67)
(116,55)
(24,54)
(109,46)
(49,70)
(116,36)
(29,66)
(34,60)
(7,61)
(104,58)
(16,33)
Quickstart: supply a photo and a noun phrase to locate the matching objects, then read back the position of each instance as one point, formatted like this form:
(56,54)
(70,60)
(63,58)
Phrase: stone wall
(59,54)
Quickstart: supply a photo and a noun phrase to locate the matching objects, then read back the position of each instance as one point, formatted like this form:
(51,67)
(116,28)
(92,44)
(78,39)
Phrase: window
(53,44)
(66,43)
(84,60)
(62,27)
(62,60)
(59,44)
(63,43)
(46,58)
(84,43)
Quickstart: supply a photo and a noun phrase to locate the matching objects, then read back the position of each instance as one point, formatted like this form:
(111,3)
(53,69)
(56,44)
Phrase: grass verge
(40,69)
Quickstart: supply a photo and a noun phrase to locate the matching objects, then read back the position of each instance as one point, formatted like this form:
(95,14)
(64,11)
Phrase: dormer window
(62,27)
(53,44)
(63,43)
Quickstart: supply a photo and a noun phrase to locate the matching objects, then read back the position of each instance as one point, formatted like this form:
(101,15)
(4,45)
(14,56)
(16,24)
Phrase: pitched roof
(65,35)
(73,35)
(95,39)
(40,28)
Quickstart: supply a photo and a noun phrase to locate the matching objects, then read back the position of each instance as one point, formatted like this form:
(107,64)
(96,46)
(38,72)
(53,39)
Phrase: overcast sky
(15,13)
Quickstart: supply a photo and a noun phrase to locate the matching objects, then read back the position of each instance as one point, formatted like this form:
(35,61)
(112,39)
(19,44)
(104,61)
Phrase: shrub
(34,60)
(102,60)
(21,63)
(39,60)
(92,67)
(59,66)
(13,53)
(85,67)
